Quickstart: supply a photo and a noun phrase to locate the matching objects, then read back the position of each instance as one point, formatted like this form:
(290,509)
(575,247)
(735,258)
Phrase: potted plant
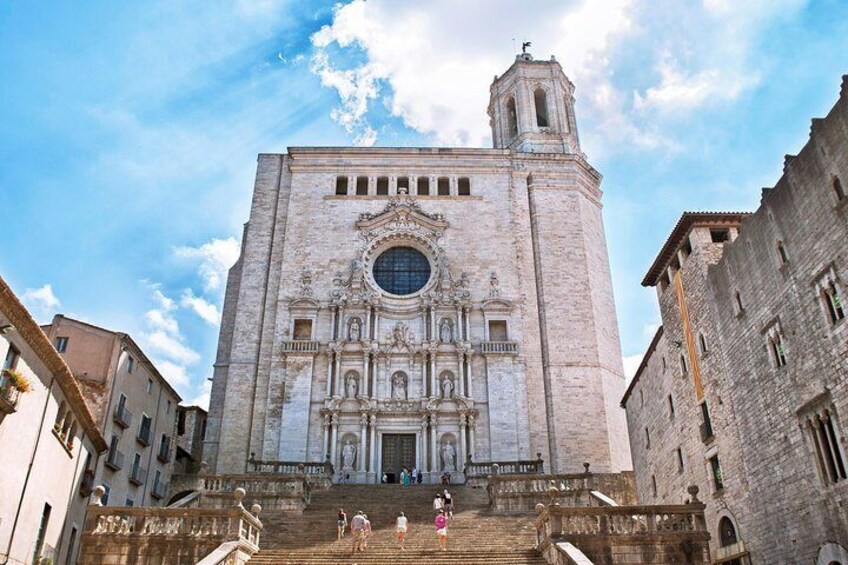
(17,380)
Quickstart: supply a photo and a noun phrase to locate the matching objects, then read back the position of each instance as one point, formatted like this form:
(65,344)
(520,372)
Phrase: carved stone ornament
(400,406)
(305,283)
(494,286)
(402,336)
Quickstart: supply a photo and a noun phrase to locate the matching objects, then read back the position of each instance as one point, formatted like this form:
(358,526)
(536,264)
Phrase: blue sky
(130,130)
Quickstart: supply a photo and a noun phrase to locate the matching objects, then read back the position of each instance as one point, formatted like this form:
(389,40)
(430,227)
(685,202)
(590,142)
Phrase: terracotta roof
(642,365)
(686,222)
(30,331)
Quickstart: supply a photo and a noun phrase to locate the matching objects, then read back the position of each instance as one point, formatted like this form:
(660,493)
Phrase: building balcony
(160,489)
(300,346)
(499,347)
(164,454)
(138,475)
(115,460)
(730,552)
(144,436)
(122,416)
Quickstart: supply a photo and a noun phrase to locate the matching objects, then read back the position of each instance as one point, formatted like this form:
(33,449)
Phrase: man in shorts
(357,530)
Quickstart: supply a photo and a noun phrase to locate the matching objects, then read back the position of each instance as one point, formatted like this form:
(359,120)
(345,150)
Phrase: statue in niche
(398,387)
(352,386)
(448,457)
(494,284)
(348,455)
(446,330)
(355,331)
(447,387)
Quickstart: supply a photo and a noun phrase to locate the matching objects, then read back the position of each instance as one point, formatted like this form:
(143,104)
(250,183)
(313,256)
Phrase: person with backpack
(441,523)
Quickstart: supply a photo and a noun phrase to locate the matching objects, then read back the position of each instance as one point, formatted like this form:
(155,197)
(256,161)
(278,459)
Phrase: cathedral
(423,308)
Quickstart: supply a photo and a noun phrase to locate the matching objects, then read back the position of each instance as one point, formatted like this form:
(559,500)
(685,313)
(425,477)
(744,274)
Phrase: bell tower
(531,108)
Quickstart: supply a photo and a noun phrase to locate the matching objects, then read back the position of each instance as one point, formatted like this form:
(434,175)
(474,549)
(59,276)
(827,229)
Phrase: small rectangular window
(149,386)
(777,349)
(837,189)
(361,186)
(670,407)
(382,185)
(679,452)
(781,252)
(739,306)
(463,186)
(683,367)
(203,430)
(647,439)
(12,357)
(444,186)
(303,329)
(341,185)
(703,343)
(686,248)
(130,364)
(61,344)
(720,235)
(654,485)
(423,186)
(706,423)
(833,303)
(130,502)
(497,330)
(715,469)
(403,185)
(181,422)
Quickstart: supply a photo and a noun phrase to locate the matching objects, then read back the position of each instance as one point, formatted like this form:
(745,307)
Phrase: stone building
(744,389)
(416,307)
(49,444)
(191,431)
(134,406)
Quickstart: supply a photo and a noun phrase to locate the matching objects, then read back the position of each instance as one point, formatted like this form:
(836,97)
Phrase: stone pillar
(434,389)
(460,385)
(461,448)
(333,323)
(373,465)
(377,324)
(334,433)
(367,390)
(457,333)
(471,435)
(465,321)
(422,442)
(434,461)
(433,335)
(366,331)
(330,372)
(470,391)
(325,445)
(339,377)
(363,422)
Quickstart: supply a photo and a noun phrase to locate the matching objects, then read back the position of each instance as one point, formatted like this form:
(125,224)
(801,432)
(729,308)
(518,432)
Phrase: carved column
(434,461)
(424,461)
(470,376)
(457,334)
(434,389)
(460,456)
(363,422)
(366,331)
(377,324)
(329,372)
(333,323)
(334,436)
(460,385)
(339,377)
(472,426)
(433,335)
(327,434)
(373,465)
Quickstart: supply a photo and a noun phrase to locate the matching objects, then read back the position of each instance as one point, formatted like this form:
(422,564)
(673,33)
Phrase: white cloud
(207,311)
(215,259)
(171,346)
(163,338)
(41,301)
(631,365)
(175,374)
(433,65)
(202,399)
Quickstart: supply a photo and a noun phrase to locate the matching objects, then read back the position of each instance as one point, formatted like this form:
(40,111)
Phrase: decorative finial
(525,45)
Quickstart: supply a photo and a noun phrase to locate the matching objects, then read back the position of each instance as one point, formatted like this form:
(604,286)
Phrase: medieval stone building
(417,307)
(744,390)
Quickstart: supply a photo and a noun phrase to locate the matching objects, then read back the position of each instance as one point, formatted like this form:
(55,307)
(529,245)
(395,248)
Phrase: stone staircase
(475,536)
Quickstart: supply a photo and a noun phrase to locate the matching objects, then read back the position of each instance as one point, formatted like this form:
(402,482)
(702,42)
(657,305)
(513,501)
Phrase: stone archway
(832,554)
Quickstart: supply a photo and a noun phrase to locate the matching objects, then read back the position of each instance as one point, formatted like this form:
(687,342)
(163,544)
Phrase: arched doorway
(727,536)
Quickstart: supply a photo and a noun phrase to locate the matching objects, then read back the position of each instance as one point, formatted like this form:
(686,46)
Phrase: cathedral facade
(423,307)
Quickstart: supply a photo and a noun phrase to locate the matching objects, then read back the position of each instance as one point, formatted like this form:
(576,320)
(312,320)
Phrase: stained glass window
(401,270)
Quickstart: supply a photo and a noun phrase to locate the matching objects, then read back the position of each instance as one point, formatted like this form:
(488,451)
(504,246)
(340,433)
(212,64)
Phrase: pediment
(402,212)
(497,305)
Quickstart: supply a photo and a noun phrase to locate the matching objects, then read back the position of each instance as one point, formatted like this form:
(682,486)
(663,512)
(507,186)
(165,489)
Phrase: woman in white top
(438,503)
(400,528)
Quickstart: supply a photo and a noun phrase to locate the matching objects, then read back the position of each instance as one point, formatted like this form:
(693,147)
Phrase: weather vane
(525,45)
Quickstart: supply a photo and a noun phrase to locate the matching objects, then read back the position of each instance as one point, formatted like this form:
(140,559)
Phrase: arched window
(443,186)
(541,100)
(566,126)
(511,118)
(726,532)
(341,186)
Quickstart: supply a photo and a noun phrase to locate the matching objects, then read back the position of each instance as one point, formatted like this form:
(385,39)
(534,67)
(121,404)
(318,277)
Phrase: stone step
(475,537)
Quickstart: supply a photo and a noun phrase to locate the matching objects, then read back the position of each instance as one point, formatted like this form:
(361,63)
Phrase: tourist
(414,477)
(366,532)
(442,530)
(400,529)
(438,503)
(420,477)
(446,478)
(448,503)
(341,522)
(384,478)
(403,479)
(357,530)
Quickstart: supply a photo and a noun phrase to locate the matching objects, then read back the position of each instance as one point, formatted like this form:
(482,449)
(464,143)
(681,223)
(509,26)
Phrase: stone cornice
(36,339)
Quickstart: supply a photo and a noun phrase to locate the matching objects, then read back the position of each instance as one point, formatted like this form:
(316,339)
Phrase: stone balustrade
(477,474)
(637,535)
(300,346)
(522,492)
(499,347)
(148,535)
(318,475)
(273,492)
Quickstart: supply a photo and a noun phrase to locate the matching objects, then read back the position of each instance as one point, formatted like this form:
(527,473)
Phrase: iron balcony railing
(160,489)
(115,460)
(164,454)
(144,433)
(122,416)
(138,475)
